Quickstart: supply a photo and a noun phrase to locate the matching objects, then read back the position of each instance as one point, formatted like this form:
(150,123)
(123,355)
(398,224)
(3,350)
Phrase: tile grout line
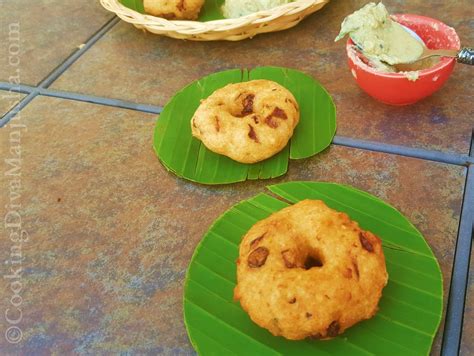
(82,97)
(471,150)
(50,78)
(17,88)
(56,73)
(101,101)
(436,156)
(471,154)
(459,277)
(17,108)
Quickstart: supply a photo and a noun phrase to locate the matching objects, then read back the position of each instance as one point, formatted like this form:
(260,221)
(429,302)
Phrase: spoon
(465,55)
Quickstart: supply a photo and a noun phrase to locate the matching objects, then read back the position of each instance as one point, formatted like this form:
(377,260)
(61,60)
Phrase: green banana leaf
(410,309)
(210,11)
(186,157)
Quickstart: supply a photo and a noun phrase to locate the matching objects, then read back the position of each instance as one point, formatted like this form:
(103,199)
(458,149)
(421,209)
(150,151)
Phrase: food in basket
(248,122)
(384,42)
(237,8)
(174,9)
(309,271)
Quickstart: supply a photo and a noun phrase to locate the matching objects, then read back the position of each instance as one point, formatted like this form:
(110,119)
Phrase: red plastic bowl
(395,88)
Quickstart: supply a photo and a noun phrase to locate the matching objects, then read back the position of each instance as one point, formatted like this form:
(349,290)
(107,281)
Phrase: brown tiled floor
(8,100)
(46,32)
(131,65)
(112,232)
(467,343)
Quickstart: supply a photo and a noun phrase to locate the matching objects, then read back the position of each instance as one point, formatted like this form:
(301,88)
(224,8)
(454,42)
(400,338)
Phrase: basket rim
(219,25)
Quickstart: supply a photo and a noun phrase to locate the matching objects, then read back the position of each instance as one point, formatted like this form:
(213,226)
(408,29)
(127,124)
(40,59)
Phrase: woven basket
(276,19)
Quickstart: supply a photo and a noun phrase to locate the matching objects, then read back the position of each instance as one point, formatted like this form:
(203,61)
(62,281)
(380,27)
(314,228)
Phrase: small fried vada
(248,121)
(174,9)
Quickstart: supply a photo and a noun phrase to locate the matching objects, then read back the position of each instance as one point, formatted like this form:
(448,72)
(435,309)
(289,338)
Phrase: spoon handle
(466,56)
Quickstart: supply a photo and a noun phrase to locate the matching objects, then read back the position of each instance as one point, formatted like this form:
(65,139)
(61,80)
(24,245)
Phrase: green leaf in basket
(409,312)
(188,158)
(136,5)
(210,11)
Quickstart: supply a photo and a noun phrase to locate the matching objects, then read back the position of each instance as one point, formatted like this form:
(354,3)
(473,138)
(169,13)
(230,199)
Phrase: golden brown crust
(255,120)
(309,271)
(174,9)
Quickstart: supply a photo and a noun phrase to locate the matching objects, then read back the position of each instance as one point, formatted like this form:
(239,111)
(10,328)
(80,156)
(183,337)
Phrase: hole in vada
(313,260)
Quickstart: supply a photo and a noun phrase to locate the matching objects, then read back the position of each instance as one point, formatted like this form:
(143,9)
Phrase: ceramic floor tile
(467,342)
(39,35)
(140,67)
(111,232)
(8,100)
